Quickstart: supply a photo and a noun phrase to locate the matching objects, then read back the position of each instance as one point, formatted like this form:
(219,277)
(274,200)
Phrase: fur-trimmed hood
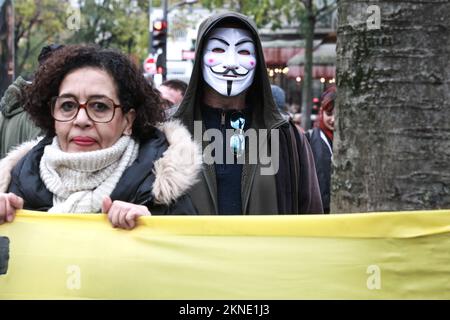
(175,172)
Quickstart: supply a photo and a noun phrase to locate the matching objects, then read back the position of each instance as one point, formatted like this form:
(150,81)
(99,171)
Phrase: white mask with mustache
(229,61)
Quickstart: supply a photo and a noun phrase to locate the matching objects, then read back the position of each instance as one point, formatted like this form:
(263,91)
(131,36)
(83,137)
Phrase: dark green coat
(15,124)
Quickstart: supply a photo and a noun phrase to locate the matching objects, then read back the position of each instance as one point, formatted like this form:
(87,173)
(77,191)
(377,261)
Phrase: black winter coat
(135,186)
(322,160)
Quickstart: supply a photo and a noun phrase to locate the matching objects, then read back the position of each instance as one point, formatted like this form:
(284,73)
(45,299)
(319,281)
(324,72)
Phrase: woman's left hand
(123,214)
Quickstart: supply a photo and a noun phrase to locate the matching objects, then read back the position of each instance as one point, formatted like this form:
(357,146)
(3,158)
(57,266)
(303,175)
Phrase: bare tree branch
(328,10)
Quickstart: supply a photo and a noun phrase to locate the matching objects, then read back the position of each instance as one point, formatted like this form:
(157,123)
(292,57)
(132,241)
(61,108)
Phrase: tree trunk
(392,145)
(7,69)
(307,78)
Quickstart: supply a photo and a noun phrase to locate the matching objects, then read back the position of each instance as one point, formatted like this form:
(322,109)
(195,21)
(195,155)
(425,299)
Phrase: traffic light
(161,64)
(159,40)
(159,36)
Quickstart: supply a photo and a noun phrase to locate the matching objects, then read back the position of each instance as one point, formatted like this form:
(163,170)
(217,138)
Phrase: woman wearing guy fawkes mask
(230,89)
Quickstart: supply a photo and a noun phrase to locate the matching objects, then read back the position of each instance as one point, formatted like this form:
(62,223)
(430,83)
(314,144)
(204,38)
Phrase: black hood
(259,95)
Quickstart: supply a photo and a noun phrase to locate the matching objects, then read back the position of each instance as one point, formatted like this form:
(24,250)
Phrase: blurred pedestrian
(172,91)
(297,119)
(279,96)
(16,125)
(321,141)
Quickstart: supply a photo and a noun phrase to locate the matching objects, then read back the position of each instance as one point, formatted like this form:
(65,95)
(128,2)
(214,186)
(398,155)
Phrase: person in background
(105,149)
(297,120)
(321,141)
(172,91)
(279,97)
(16,125)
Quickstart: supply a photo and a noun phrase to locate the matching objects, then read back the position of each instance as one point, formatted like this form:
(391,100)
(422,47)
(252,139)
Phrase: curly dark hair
(132,88)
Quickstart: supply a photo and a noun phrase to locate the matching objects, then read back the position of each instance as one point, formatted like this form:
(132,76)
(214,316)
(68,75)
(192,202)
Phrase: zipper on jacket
(223,130)
(222,121)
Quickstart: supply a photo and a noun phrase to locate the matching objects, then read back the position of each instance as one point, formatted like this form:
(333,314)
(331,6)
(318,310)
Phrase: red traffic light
(159,25)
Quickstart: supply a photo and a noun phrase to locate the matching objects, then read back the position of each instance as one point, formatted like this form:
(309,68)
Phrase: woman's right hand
(9,203)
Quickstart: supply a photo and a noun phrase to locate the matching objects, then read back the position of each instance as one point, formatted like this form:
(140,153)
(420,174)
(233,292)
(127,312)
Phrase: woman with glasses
(105,149)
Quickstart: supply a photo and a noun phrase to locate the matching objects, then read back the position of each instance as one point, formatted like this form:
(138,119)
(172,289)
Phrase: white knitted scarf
(79,181)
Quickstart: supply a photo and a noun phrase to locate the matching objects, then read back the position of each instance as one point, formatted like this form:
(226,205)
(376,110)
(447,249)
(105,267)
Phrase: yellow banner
(401,255)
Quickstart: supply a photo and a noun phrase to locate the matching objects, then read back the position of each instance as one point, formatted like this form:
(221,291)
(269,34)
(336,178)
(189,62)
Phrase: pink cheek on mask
(252,63)
(211,61)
